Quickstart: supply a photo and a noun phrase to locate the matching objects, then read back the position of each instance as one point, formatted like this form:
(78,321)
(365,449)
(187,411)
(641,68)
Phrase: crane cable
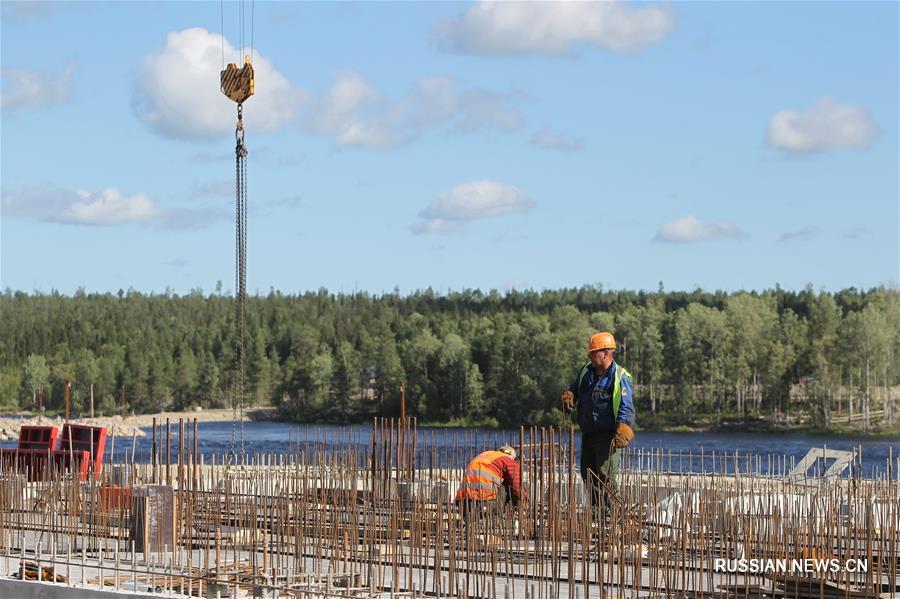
(240,240)
(238,85)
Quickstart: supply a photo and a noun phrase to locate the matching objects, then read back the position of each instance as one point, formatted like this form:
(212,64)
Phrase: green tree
(420,361)
(869,332)
(209,390)
(110,367)
(61,376)
(346,402)
(752,324)
(641,348)
(36,376)
(186,378)
(700,334)
(10,387)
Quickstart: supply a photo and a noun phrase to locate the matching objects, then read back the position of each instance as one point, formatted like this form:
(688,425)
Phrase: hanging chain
(240,235)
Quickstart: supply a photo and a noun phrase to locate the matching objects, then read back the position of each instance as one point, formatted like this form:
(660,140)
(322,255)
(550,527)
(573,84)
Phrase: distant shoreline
(130,425)
(134,425)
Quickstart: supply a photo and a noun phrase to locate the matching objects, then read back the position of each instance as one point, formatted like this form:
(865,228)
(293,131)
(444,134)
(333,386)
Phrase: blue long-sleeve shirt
(594,401)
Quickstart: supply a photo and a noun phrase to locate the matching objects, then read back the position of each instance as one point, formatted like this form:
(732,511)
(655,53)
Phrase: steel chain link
(237,397)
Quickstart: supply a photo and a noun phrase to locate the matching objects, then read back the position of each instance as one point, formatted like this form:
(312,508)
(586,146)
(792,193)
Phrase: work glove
(624,435)
(566,402)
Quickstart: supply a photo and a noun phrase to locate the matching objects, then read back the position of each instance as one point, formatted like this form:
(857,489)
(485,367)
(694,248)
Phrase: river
(721,452)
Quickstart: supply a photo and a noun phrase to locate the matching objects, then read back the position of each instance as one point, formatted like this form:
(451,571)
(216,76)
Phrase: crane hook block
(237,83)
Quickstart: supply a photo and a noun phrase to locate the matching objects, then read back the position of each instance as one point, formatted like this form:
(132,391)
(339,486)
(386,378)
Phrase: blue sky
(452,145)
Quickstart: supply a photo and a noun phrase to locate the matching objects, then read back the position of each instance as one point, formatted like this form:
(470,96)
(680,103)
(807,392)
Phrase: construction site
(328,519)
(340,515)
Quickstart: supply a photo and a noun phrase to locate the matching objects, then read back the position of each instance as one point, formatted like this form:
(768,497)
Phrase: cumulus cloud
(108,207)
(470,201)
(824,126)
(800,234)
(32,89)
(356,114)
(497,28)
(176,93)
(686,229)
(436,226)
(551,140)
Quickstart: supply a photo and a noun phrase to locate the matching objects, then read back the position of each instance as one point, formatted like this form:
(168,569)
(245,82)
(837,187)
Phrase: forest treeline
(775,356)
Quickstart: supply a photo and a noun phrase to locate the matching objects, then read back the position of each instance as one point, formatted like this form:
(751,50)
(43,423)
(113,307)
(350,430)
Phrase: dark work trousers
(597,461)
(486,516)
(474,510)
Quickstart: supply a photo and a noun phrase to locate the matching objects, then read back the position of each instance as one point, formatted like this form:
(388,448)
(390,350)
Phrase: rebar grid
(377,518)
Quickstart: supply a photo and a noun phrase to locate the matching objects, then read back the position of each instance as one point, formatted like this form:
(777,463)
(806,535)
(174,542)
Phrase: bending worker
(491,476)
(602,393)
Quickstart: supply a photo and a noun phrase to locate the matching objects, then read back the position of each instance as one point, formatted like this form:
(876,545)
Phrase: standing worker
(603,395)
(491,478)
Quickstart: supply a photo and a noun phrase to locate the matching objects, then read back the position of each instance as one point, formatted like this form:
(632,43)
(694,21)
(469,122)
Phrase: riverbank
(700,425)
(133,425)
(130,425)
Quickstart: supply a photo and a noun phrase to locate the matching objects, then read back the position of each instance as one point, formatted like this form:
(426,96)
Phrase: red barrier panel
(30,462)
(74,461)
(33,463)
(38,437)
(115,498)
(91,439)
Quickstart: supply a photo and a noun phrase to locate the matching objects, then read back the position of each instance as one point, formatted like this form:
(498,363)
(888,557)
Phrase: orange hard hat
(602,340)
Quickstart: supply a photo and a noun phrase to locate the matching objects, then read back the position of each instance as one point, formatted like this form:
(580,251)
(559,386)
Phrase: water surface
(679,452)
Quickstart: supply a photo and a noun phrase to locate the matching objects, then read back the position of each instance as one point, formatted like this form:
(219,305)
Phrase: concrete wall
(18,589)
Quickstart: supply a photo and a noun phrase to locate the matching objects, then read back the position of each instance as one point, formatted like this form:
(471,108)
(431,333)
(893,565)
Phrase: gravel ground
(130,425)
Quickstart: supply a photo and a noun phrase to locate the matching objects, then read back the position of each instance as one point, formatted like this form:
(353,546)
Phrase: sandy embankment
(130,425)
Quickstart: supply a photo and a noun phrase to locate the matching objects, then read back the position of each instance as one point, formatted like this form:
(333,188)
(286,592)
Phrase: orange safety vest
(482,479)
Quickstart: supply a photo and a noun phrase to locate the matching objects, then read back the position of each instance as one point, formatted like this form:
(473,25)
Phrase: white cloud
(108,207)
(551,28)
(177,94)
(470,201)
(436,226)
(355,114)
(32,89)
(686,229)
(551,140)
(824,126)
(481,108)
